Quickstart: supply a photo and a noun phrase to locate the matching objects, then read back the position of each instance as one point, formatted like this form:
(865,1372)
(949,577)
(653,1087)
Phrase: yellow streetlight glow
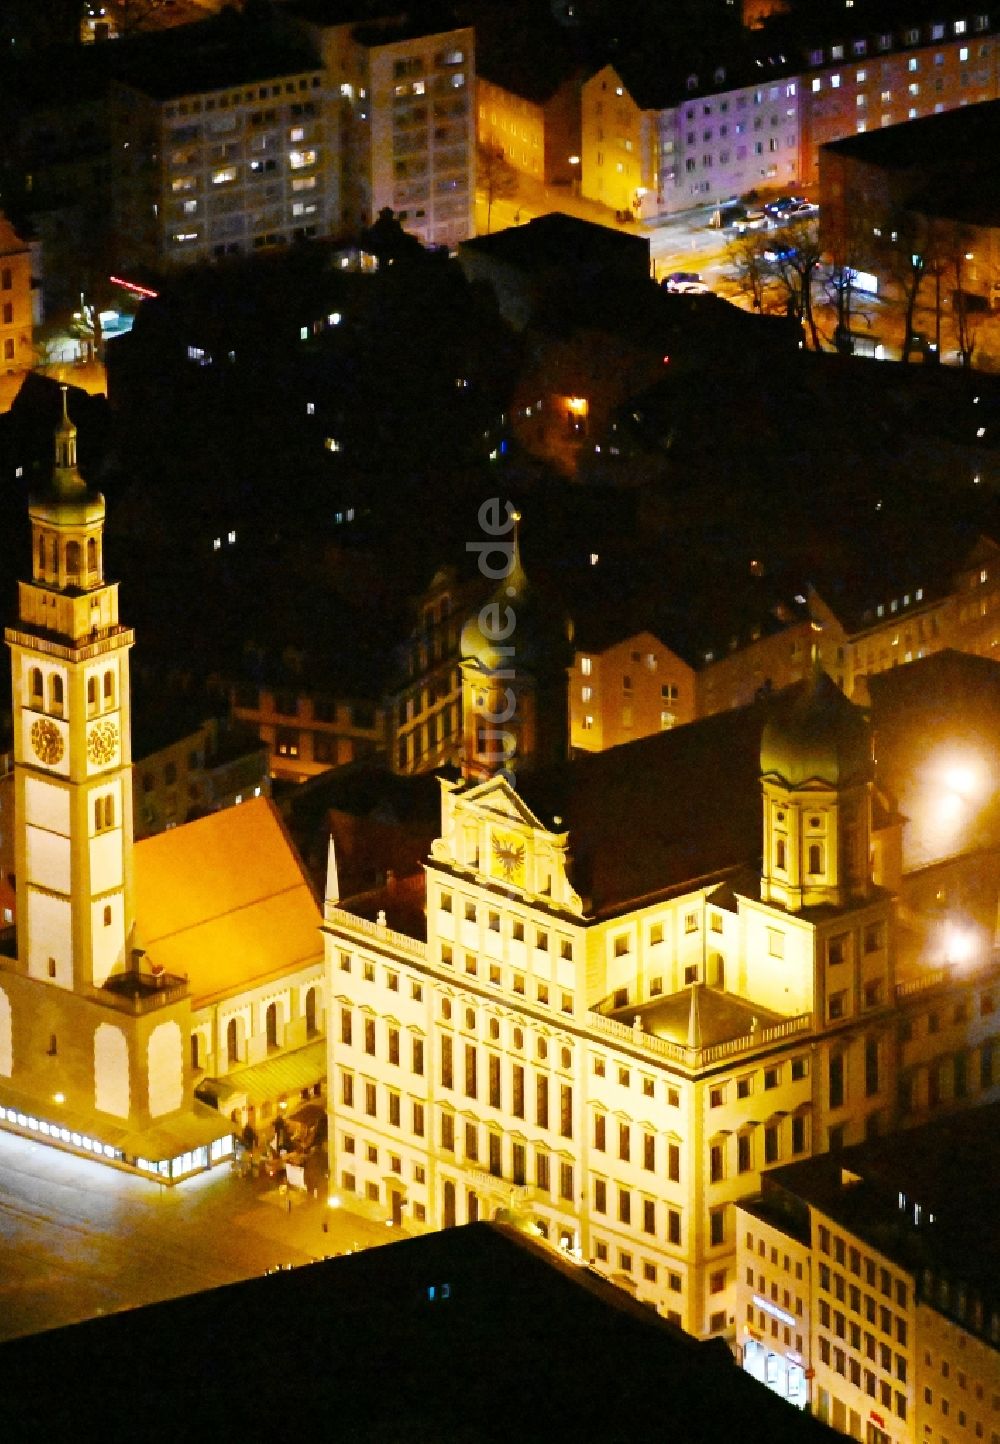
(59,1098)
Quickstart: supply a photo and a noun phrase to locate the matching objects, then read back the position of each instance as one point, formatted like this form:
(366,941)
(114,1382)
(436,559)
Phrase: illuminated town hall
(600,1014)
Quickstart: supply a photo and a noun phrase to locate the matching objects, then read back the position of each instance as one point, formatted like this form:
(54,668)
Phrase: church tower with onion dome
(816,778)
(72,756)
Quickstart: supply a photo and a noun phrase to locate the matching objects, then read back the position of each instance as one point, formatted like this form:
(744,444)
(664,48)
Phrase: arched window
(815,859)
(271,1025)
(109,811)
(91,695)
(310,1012)
(91,555)
(56,695)
(232,1042)
(109,689)
(195,1051)
(73,561)
(35,686)
(779,854)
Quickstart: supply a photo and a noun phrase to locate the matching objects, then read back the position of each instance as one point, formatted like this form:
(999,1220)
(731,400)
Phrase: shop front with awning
(256,1092)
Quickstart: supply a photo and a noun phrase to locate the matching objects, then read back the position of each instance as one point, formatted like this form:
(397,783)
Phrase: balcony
(140,992)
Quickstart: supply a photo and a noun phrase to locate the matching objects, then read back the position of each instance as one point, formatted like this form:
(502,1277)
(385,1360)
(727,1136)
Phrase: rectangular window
(674,1162)
(447,1072)
(471,1074)
(566,1182)
(836,1080)
(448,1133)
(418,1056)
(517,1103)
(542,1100)
(566,1110)
(717,1225)
(494,1072)
(418,1119)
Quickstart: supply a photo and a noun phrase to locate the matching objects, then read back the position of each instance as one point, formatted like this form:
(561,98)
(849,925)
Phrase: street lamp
(574,161)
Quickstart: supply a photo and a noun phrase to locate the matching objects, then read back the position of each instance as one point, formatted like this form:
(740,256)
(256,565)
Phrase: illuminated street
(78,1240)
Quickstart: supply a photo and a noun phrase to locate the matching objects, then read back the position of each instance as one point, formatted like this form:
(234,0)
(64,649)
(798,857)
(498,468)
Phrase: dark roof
(557,241)
(950,1167)
(213,55)
(721,1016)
(522,49)
(472,1333)
(968,135)
(658,814)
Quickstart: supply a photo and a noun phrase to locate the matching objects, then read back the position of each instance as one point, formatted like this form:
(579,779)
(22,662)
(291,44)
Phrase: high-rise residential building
(406,91)
(222,150)
(606,1020)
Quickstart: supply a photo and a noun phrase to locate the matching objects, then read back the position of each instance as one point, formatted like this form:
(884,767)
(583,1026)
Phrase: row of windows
(720,1161)
(609,1198)
(837,1358)
(223,102)
(772,1078)
(493,973)
(912,36)
(624,1079)
(540,937)
(646,1154)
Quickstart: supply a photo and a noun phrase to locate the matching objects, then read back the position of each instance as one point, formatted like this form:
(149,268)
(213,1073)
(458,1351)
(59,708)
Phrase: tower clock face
(102,743)
(47,741)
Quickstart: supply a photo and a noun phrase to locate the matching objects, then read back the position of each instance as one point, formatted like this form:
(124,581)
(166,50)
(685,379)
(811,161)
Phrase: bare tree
(750,273)
(847,236)
(495,176)
(795,258)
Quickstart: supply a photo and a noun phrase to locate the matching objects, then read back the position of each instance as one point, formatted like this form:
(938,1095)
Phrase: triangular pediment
(496,796)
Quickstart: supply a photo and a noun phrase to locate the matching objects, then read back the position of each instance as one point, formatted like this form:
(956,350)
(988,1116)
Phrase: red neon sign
(134,287)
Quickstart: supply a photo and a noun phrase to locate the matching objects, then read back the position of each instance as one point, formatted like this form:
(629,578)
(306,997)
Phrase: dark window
(517,1105)
(542,1100)
(837,1080)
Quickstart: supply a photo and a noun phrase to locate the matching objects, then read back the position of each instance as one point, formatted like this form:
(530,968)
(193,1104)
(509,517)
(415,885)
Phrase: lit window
(300,159)
(297,134)
(223,176)
(586,666)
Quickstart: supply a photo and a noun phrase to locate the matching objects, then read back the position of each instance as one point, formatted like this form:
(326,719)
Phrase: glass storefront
(782,1375)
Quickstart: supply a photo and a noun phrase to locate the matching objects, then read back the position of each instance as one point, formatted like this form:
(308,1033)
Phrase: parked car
(752,221)
(684,283)
(797,211)
(774,208)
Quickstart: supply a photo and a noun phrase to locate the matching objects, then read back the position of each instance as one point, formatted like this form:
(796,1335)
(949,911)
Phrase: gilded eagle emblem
(509,856)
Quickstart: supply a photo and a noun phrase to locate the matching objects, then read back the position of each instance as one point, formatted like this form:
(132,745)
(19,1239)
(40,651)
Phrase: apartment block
(17,300)
(890,1328)
(405,98)
(706,141)
(626,689)
(237,154)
